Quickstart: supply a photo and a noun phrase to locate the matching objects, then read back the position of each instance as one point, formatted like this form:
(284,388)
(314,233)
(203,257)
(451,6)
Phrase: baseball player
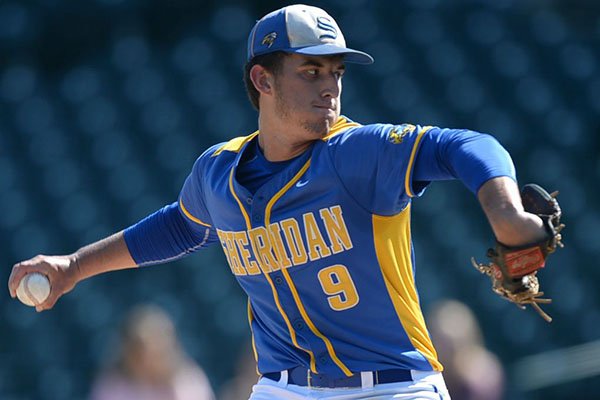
(313,214)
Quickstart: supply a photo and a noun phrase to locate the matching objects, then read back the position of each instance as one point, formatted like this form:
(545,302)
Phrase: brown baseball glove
(513,270)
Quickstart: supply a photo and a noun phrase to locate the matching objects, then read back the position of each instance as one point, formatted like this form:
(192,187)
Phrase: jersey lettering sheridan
(266,249)
(323,250)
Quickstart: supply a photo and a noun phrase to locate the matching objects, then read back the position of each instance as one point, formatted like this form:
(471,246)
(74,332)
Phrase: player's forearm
(501,202)
(109,254)
(165,235)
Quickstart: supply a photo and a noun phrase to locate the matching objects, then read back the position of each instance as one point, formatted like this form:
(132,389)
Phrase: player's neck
(279,142)
(277,148)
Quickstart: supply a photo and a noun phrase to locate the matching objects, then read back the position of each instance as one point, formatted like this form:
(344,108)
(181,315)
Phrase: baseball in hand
(33,289)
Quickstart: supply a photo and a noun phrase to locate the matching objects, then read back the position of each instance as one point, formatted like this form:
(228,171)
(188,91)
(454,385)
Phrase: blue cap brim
(350,55)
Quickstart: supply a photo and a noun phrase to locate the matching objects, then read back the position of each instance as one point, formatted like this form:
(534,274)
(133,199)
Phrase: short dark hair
(271,62)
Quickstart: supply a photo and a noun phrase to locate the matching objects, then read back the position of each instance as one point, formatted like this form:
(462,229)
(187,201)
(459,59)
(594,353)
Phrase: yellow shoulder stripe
(235,144)
(190,216)
(340,126)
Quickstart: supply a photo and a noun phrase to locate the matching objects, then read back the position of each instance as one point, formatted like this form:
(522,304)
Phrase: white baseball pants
(424,386)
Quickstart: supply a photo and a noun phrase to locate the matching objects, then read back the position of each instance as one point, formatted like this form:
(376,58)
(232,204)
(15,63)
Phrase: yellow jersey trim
(250,319)
(291,285)
(235,144)
(392,245)
(340,126)
(270,281)
(190,216)
(411,161)
(242,209)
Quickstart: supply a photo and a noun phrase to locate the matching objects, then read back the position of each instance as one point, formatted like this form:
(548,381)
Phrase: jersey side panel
(393,246)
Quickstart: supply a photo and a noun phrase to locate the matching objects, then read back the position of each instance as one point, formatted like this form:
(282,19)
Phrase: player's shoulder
(232,146)
(227,148)
(220,154)
(346,131)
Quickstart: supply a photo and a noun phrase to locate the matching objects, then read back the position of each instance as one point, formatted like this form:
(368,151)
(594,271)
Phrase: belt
(302,377)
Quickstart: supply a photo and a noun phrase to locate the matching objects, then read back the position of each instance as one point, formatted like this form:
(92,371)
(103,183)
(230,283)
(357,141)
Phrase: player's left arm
(526,223)
(486,168)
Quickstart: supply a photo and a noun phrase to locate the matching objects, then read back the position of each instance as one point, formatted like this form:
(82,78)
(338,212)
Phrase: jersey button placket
(257,210)
(298,324)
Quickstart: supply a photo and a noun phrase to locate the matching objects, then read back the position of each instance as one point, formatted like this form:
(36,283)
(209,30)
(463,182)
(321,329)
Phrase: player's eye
(312,72)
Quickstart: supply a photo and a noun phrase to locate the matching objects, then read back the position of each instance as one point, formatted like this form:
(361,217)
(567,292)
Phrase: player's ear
(261,79)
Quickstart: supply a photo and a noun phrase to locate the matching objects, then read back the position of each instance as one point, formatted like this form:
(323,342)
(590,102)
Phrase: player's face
(307,92)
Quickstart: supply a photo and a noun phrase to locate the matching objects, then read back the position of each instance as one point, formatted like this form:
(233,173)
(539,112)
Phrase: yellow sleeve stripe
(190,216)
(411,161)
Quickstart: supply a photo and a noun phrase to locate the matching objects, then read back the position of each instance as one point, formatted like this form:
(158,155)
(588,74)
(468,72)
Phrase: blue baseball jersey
(323,245)
(323,250)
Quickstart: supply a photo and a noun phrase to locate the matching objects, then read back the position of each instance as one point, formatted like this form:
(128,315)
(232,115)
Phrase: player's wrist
(75,270)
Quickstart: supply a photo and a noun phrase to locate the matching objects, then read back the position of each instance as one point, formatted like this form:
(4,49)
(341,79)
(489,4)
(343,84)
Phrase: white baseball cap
(301,29)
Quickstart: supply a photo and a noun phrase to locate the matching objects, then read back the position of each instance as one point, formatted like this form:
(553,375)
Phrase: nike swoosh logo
(300,183)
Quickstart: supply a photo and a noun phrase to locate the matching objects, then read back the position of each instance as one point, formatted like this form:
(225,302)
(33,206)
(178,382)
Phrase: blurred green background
(105,104)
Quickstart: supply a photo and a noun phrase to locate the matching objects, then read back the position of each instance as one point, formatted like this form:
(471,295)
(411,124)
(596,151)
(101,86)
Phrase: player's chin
(323,122)
(319,128)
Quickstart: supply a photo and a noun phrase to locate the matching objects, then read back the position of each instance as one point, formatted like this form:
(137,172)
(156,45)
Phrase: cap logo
(326,25)
(269,39)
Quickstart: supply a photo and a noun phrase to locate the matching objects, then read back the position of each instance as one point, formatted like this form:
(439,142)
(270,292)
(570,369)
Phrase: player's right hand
(62,272)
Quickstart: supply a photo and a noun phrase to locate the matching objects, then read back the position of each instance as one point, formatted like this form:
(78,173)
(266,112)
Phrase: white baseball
(33,289)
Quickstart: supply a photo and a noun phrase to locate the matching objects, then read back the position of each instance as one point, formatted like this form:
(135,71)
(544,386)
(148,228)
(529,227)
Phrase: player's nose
(332,86)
